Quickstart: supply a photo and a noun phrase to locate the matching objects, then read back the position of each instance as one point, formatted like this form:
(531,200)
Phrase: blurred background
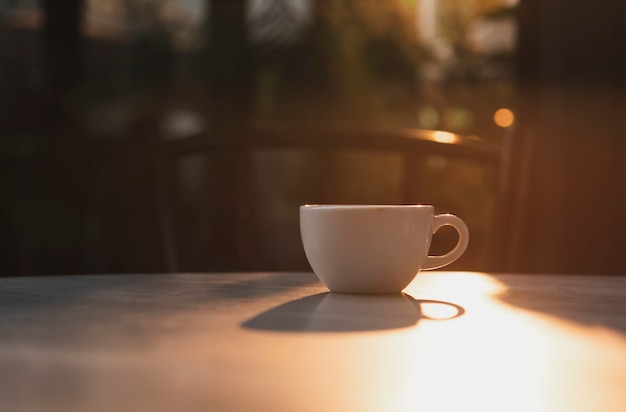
(181,135)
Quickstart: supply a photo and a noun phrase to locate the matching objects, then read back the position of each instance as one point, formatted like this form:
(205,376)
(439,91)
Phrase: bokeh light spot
(504,117)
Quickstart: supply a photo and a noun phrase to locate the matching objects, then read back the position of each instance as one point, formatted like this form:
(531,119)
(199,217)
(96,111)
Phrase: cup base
(363,289)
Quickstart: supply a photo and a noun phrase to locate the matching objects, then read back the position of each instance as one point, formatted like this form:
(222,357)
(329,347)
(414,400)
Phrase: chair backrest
(228,233)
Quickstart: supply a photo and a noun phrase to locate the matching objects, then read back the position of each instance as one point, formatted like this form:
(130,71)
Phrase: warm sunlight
(444,137)
(545,357)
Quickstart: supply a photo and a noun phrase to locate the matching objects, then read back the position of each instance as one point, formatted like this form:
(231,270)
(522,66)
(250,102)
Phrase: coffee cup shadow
(334,312)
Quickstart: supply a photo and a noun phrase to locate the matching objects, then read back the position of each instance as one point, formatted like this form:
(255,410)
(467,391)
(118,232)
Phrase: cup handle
(434,262)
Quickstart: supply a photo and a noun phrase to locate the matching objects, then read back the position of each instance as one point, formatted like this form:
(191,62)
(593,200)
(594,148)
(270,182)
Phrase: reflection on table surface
(280,342)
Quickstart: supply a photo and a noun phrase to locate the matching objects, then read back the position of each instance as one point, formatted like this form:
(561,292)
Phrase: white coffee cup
(374,249)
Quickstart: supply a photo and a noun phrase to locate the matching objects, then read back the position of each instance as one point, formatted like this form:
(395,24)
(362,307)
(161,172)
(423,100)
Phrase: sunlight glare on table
(497,351)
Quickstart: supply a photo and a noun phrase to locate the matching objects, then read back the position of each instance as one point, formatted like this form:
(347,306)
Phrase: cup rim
(347,206)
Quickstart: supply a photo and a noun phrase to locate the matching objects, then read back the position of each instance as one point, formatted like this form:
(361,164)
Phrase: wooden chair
(236,240)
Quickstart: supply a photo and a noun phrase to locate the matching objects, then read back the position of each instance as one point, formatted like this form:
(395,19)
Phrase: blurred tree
(370,55)
(356,59)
